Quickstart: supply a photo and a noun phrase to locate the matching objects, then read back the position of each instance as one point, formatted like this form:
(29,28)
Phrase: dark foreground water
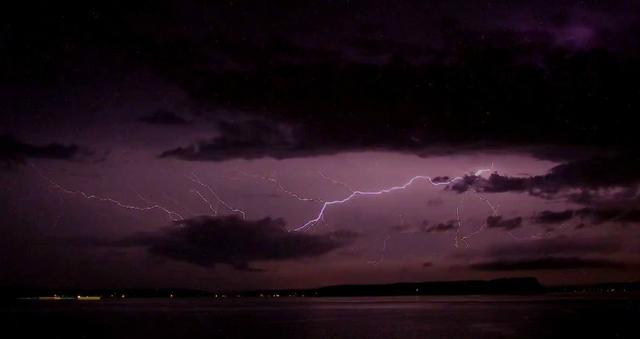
(393,317)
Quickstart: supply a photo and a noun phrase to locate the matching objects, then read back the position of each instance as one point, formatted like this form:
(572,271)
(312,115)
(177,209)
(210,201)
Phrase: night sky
(240,144)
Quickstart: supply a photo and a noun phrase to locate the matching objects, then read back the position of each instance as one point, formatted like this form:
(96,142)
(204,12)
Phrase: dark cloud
(553,217)
(164,117)
(596,172)
(593,197)
(440,73)
(548,263)
(13,150)
(441,227)
(506,224)
(592,173)
(350,93)
(619,206)
(336,97)
(262,137)
(496,183)
(207,241)
(362,93)
(561,153)
(248,139)
(597,216)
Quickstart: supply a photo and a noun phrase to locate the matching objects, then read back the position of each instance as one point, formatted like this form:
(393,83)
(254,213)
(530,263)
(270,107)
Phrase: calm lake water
(380,317)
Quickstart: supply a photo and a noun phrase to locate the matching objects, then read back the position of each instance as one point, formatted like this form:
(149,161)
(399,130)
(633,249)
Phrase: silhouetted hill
(498,286)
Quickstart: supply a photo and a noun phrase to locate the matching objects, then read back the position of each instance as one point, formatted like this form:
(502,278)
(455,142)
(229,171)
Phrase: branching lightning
(459,210)
(382,252)
(206,201)
(336,182)
(357,193)
(280,187)
(175,216)
(194,178)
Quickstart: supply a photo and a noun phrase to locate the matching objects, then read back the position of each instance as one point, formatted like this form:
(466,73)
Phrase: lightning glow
(175,216)
(358,193)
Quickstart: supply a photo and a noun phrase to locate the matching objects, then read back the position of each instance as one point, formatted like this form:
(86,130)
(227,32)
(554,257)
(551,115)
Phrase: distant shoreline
(504,286)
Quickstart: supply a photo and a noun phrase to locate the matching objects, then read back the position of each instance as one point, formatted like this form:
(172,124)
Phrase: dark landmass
(498,286)
(464,287)
(115,293)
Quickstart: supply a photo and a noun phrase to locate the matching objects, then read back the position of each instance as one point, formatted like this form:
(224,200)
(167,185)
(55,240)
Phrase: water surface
(378,317)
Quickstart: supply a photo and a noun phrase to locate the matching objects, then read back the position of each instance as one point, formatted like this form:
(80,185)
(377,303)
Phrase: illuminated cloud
(592,173)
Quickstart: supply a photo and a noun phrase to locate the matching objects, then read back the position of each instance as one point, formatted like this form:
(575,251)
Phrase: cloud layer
(13,151)
(209,241)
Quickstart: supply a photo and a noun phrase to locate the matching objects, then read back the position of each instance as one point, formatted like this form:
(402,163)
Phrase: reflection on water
(393,317)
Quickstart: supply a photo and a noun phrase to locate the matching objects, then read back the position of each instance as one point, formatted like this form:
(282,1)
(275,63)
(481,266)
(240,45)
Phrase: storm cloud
(506,224)
(375,82)
(14,151)
(590,174)
(553,217)
(441,227)
(209,241)
(248,140)
(596,215)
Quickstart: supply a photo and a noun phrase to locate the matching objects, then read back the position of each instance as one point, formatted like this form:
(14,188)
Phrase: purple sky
(281,110)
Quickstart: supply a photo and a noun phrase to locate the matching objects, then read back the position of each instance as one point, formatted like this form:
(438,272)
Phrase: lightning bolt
(357,193)
(280,187)
(336,182)
(382,252)
(459,209)
(194,178)
(178,204)
(175,216)
(206,201)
